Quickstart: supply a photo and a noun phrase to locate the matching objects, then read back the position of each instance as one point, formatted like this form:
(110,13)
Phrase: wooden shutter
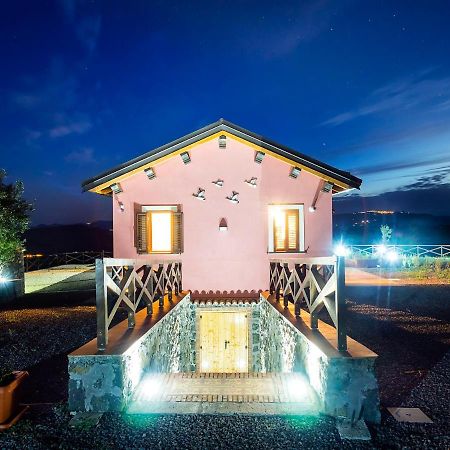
(177,232)
(292,230)
(141,232)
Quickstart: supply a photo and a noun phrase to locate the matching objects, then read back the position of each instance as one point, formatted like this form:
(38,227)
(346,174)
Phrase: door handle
(226,343)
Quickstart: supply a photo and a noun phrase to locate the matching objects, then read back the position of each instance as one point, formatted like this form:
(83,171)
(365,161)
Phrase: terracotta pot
(10,396)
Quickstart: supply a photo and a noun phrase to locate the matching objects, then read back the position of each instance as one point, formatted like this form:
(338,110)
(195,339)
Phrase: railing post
(341,311)
(132,297)
(102,304)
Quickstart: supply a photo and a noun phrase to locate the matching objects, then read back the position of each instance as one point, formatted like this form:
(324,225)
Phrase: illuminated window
(159,230)
(286,228)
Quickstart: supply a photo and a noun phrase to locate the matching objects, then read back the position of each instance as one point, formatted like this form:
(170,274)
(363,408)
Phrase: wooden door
(223,341)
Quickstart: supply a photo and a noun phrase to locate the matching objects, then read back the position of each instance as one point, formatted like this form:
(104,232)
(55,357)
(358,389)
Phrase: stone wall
(107,382)
(345,386)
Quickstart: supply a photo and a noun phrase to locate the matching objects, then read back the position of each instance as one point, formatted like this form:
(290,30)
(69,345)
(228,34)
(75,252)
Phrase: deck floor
(259,393)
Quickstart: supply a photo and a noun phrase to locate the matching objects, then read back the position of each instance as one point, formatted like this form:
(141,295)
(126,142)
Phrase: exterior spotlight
(116,188)
(3,280)
(391,256)
(259,157)
(327,186)
(222,141)
(295,172)
(312,209)
(185,157)
(121,206)
(341,250)
(381,249)
(150,173)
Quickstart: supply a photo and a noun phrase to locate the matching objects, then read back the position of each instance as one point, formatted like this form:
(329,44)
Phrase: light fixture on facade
(218,183)
(251,182)
(223,225)
(312,208)
(121,206)
(259,157)
(150,172)
(222,141)
(116,188)
(327,186)
(185,157)
(233,198)
(200,194)
(295,172)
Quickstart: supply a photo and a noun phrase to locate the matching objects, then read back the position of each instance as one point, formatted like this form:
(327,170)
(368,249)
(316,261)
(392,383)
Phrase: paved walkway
(213,393)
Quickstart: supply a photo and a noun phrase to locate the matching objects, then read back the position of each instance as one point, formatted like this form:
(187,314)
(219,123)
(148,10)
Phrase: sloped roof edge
(222,125)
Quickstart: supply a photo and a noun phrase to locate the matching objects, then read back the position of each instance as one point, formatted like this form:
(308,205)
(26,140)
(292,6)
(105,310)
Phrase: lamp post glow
(341,250)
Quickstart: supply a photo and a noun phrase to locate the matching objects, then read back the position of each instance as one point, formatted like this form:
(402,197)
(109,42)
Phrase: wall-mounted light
(259,157)
(223,225)
(233,198)
(251,182)
(312,208)
(327,186)
(116,188)
(150,172)
(218,183)
(121,206)
(222,141)
(200,194)
(185,157)
(295,172)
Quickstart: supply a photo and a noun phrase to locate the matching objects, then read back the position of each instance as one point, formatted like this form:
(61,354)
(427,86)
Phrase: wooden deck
(223,392)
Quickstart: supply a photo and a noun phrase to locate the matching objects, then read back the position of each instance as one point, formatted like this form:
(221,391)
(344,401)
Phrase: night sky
(362,85)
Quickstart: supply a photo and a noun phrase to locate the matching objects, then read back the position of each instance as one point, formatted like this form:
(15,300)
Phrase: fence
(36,262)
(406,250)
(131,283)
(316,282)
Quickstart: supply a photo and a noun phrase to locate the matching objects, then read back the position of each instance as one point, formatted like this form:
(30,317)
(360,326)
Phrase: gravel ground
(413,368)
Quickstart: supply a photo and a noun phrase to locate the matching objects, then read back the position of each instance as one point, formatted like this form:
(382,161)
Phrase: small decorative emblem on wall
(234,197)
(251,182)
(200,195)
(218,183)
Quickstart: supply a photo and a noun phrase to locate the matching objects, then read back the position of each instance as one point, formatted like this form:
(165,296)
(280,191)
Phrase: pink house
(225,202)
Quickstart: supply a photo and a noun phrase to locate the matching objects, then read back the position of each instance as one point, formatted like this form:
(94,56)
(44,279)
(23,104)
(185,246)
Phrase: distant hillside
(48,239)
(408,228)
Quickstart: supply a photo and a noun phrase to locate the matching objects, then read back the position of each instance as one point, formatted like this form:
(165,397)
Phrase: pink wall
(215,260)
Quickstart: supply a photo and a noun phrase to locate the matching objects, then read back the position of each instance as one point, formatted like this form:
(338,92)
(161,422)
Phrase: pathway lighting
(341,250)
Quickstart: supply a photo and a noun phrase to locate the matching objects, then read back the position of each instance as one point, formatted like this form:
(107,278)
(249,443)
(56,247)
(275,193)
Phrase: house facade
(225,202)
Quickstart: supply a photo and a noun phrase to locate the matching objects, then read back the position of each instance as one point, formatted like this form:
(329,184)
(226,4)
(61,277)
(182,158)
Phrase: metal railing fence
(403,250)
(36,262)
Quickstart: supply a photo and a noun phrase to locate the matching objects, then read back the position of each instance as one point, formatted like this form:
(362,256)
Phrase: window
(159,230)
(286,228)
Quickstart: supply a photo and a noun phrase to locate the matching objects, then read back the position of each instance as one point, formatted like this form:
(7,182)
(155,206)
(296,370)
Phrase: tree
(14,221)
(386,233)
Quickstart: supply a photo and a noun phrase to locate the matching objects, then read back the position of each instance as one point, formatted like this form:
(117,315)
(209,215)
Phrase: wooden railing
(437,250)
(36,262)
(316,283)
(131,283)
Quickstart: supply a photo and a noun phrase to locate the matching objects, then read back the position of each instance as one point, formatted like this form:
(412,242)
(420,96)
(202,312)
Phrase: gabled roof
(341,180)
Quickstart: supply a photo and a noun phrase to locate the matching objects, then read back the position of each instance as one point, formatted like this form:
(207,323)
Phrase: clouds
(76,127)
(412,93)
(82,156)
(86,24)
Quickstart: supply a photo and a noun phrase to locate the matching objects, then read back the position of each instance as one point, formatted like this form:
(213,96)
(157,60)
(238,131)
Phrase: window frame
(148,210)
(271,227)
